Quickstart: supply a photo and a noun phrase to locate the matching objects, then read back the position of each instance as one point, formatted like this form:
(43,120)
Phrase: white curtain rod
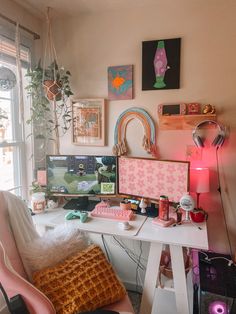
(35,35)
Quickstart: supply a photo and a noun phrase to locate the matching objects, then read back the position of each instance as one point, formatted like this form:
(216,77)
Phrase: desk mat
(102,225)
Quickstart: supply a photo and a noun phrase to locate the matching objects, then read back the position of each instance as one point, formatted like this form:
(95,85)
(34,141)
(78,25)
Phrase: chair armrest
(13,283)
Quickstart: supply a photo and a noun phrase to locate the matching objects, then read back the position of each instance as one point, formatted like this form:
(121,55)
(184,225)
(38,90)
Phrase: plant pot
(198,216)
(52,89)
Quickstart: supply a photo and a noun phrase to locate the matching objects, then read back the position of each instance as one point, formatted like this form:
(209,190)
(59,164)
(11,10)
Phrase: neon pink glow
(218,307)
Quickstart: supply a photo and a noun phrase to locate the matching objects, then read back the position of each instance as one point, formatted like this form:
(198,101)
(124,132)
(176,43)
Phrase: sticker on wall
(120,82)
(161,64)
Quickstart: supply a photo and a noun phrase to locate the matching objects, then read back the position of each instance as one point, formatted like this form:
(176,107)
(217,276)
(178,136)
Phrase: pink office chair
(13,277)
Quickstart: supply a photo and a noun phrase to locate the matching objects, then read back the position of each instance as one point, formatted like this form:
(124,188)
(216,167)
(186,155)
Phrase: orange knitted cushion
(82,282)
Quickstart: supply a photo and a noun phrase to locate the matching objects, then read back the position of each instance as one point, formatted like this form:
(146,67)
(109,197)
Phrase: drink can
(164,208)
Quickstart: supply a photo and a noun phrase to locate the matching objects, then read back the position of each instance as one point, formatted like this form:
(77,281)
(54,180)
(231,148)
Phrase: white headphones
(218,140)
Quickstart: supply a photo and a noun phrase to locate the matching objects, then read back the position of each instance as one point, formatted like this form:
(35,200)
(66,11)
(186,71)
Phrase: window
(12,129)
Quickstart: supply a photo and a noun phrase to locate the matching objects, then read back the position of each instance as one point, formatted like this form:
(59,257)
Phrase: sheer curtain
(15,148)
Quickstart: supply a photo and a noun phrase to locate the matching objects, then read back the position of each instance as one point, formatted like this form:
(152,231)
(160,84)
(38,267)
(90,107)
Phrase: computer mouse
(124,225)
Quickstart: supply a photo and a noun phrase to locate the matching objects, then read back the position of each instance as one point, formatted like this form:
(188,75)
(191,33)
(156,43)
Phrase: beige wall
(18,14)
(88,44)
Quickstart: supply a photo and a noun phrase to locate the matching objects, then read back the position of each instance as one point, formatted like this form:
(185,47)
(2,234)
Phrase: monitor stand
(81,203)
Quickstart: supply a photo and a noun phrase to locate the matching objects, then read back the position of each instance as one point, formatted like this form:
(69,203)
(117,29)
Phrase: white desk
(185,235)
(55,217)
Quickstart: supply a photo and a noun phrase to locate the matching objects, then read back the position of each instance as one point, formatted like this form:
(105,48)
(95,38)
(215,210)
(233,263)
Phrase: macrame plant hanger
(52,87)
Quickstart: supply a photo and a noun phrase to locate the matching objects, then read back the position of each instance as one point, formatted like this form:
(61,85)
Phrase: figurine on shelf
(208,109)
(143,206)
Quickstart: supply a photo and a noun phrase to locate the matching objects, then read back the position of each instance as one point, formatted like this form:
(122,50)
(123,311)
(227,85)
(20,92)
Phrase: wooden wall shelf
(183,122)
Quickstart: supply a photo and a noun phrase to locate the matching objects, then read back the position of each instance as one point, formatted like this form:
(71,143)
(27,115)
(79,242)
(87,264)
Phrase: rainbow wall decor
(148,141)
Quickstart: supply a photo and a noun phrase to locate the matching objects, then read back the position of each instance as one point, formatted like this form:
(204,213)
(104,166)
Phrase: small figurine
(194,108)
(208,109)
(143,206)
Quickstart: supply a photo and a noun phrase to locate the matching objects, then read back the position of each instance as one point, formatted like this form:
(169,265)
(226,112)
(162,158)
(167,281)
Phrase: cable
(127,252)
(131,252)
(136,260)
(195,225)
(209,259)
(222,204)
(140,265)
(105,247)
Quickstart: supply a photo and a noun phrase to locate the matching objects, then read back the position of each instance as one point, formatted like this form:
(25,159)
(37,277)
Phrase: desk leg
(151,277)
(180,284)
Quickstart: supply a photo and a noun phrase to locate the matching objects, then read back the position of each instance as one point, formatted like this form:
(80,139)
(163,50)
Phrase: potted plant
(51,114)
(56,82)
(178,212)
(198,215)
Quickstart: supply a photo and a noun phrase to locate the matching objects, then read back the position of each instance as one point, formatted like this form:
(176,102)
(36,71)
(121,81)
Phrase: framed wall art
(88,122)
(120,82)
(161,64)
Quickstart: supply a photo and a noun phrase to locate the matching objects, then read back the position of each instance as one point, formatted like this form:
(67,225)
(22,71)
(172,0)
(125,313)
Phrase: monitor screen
(150,178)
(81,175)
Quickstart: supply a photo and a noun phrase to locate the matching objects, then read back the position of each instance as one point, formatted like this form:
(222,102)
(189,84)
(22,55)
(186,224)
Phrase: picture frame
(120,82)
(161,64)
(88,122)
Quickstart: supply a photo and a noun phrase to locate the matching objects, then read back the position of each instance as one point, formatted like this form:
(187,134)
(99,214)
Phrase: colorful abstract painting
(120,82)
(161,64)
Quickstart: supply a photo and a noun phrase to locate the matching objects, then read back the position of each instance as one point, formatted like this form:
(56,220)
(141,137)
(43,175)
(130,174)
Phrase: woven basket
(165,265)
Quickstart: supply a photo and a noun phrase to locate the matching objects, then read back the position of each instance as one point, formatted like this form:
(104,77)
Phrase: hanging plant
(56,82)
(50,90)
(51,118)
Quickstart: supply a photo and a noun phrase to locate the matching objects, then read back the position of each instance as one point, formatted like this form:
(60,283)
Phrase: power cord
(105,247)
(138,264)
(130,253)
(136,260)
(209,259)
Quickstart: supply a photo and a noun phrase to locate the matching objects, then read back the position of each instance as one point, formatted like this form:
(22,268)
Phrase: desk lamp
(199,182)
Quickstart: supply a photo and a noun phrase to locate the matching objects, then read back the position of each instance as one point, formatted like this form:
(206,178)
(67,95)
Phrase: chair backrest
(7,239)
(12,274)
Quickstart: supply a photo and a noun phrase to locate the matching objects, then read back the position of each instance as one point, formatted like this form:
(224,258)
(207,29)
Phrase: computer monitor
(81,175)
(150,178)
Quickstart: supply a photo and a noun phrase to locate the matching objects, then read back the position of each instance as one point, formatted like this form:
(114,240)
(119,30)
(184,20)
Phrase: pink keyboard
(112,212)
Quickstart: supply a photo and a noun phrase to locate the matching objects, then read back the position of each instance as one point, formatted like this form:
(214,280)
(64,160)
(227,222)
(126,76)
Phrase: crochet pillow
(54,246)
(82,282)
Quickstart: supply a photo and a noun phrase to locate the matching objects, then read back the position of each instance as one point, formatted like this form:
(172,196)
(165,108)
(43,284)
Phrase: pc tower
(217,284)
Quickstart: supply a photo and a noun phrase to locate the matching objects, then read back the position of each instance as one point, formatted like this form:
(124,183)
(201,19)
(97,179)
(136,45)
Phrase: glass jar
(38,202)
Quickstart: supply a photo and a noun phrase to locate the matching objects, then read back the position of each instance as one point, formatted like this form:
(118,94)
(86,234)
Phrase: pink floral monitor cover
(150,178)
